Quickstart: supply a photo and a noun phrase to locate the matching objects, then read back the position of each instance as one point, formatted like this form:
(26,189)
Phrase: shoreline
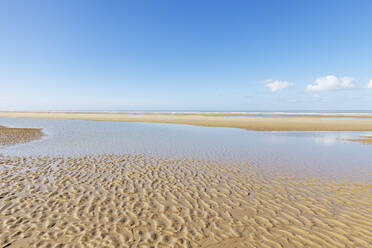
(119,200)
(257,123)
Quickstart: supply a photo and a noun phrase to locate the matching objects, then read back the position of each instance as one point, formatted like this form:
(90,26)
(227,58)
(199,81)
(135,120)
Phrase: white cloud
(331,83)
(369,85)
(347,82)
(277,85)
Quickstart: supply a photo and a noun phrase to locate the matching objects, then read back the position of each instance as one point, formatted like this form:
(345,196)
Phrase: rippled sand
(140,201)
(12,136)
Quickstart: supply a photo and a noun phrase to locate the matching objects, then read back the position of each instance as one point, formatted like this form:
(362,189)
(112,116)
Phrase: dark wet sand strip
(364,140)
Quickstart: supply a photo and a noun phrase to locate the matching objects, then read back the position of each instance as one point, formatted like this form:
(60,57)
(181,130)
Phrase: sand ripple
(12,136)
(140,201)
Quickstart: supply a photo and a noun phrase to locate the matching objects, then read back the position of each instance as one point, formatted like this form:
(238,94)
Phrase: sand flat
(251,123)
(137,200)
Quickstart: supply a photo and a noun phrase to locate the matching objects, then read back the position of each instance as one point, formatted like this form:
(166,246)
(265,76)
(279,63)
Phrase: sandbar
(245,122)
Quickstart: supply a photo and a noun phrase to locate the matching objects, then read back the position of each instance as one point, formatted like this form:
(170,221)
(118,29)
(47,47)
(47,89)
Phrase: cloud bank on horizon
(326,83)
(331,83)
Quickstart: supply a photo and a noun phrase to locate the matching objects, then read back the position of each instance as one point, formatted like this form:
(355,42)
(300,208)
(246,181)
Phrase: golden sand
(12,136)
(252,123)
(245,114)
(140,201)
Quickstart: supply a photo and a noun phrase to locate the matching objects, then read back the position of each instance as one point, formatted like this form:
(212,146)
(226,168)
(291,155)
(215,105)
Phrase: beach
(186,124)
(136,200)
(140,199)
(269,123)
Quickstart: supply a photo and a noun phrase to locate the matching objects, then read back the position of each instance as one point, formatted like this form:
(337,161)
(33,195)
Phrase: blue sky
(196,55)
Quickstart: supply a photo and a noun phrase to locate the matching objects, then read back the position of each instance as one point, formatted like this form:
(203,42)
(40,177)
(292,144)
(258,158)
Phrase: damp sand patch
(363,139)
(13,136)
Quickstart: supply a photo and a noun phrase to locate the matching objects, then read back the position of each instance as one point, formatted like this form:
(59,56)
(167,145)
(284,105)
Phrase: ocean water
(311,153)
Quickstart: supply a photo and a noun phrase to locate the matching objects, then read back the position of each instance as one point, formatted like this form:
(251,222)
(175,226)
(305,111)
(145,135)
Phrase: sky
(186,55)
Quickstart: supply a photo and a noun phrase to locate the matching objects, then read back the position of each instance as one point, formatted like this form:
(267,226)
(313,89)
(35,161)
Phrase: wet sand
(12,136)
(251,123)
(364,140)
(136,200)
(146,201)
